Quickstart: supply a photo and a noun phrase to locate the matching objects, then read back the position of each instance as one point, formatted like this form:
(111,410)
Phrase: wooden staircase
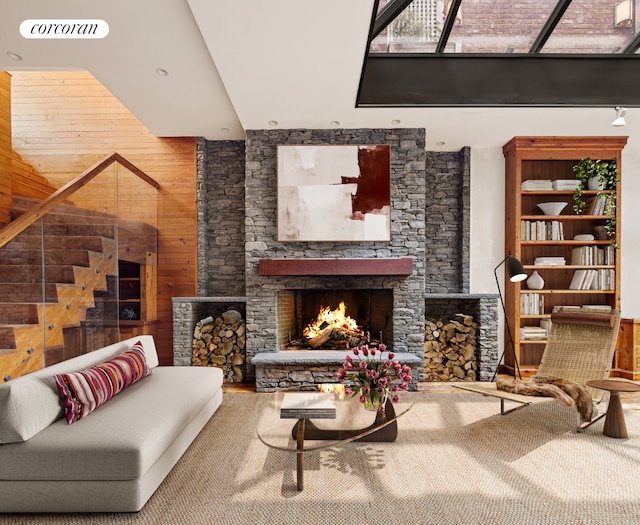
(79,255)
(56,259)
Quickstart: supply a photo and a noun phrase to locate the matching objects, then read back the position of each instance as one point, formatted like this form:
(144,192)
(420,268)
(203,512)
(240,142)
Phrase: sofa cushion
(84,391)
(30,403)
(123,439)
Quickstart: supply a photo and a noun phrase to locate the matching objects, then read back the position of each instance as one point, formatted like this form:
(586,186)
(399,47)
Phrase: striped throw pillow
(84,391)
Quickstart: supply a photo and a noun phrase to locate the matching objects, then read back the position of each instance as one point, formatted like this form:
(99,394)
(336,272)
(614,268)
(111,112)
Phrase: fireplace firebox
(334,319)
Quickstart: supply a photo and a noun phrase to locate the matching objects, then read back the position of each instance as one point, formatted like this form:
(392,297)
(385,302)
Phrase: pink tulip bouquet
(374,376)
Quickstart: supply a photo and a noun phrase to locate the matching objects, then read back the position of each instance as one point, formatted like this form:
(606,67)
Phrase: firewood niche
(450,349)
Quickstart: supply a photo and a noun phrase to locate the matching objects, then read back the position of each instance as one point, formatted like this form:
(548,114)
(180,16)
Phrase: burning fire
(337,389)
(336,319)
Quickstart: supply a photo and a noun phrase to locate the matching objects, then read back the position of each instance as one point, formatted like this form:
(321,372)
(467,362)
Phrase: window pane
(499,26)
(593,26)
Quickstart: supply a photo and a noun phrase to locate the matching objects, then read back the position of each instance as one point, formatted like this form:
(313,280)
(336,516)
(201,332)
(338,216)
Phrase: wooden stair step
(7,351)
(23,204)
(57,242)
(18,313)
(7,337)
(28,293)
(32,273)
(80,229)
(71,257)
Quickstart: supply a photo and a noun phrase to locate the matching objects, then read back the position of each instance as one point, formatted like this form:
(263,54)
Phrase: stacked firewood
(221,342)
(450,349)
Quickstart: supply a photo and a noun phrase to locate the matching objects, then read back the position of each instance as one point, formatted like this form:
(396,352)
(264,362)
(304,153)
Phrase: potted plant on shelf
(601,175)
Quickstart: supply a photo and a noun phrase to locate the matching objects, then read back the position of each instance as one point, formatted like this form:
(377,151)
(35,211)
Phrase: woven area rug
(456,461)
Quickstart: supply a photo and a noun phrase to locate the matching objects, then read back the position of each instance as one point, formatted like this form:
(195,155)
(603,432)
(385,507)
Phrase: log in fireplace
(334,319)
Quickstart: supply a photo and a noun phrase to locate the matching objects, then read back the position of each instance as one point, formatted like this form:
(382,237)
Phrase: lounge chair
(580,347)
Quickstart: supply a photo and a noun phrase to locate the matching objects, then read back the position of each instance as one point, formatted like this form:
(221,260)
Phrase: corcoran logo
(64,29)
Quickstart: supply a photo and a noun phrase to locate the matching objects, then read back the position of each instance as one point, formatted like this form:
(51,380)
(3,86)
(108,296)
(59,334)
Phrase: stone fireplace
(240,258)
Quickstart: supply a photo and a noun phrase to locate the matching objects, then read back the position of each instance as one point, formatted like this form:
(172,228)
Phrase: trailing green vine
(606,173)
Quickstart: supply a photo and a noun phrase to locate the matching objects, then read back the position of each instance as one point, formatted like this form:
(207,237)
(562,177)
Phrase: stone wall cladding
(408,233)
(447,221)
(237,201)
(221,205)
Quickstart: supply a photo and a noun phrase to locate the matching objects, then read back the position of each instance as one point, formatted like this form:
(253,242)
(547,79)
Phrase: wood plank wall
(5,148)
(63,122)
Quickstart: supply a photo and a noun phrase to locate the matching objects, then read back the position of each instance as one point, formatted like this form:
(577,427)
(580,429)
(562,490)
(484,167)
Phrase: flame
(335,319)
(335,388)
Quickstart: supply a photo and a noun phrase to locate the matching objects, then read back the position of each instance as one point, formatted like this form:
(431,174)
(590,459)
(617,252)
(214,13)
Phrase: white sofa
(113,459)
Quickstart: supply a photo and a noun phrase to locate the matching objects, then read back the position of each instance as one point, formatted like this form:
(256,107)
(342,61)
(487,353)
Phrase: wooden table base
(306,429)
(614,425)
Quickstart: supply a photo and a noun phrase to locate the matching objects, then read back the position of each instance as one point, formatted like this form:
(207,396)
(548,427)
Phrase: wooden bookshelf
(553,158)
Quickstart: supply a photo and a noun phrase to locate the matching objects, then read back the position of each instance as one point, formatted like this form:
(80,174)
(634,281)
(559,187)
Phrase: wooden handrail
(15,228)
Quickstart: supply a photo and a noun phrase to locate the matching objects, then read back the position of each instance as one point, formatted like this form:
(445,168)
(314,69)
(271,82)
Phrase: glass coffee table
(309,434)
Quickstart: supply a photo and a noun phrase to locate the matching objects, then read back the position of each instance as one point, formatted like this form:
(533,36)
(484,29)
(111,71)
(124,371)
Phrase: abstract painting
(334,193)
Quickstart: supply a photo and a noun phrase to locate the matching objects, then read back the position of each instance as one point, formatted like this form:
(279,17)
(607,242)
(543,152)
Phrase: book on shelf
(592,255)
(592,279)
(604,279)
(549,261)
(598,205)
(545,324)
(537,185)
(595,205)
(312,405)
(565,184)
(541,230)
(533,333)
(596,307)
(531,304)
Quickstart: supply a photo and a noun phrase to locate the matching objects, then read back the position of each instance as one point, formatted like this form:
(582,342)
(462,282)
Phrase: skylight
(502,53)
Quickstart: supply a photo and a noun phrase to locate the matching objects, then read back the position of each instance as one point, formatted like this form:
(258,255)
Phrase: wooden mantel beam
(402,266)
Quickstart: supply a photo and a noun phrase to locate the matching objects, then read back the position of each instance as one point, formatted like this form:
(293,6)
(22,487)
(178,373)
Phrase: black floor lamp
(516,273)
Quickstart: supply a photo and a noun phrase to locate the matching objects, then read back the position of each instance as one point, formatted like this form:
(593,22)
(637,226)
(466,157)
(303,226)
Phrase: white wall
(487,217)
(487,224)
(630,238)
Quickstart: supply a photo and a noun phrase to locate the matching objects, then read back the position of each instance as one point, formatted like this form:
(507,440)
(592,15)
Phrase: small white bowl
(583,237)
(552,208)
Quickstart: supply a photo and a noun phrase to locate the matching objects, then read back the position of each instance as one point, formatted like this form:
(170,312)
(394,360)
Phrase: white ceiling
(241,64)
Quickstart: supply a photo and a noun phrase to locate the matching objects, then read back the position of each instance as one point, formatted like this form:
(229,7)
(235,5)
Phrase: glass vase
(374,400)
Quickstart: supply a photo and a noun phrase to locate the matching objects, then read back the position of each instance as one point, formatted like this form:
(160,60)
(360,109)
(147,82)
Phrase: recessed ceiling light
(224,130)
(441,143)
(162,72)
(273,123)
(14,56)
(395,121)
(335,122)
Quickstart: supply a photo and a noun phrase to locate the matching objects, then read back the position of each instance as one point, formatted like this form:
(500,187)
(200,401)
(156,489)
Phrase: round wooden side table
(614,425)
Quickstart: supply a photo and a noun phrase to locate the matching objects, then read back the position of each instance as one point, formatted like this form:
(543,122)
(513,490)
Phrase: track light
(620,113)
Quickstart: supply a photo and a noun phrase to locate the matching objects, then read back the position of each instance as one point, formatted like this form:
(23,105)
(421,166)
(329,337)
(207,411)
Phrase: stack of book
(533,333)
(537,185)
(308,405)
(531,304)
(566,184)
(549,261)
(592,255)
(596,206)
(602,279)
(596,307)
(541,230)
(582,279)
